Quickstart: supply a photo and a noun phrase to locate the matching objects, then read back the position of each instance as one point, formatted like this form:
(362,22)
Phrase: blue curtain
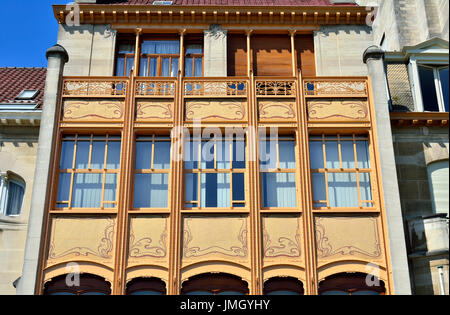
(160,47)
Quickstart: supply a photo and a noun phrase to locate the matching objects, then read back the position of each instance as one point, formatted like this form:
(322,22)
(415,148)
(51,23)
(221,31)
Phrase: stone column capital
(373,52)
(58,51)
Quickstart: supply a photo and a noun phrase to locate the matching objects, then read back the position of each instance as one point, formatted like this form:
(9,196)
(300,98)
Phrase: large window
(159,58)
(215,173)
(434,87)
(341,171)
(12,190)
(125,58)
(438,180)
(89,170)
(84,284)
(278,169)
(193,60)
(151,177)
(215,284)
(352,284)
(146,286)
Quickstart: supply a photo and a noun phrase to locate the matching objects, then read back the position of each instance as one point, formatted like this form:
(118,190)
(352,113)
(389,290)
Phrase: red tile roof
(15,80)
(228,2)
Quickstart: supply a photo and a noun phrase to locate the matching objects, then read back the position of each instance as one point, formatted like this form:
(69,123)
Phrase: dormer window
(27,95)
(434,88)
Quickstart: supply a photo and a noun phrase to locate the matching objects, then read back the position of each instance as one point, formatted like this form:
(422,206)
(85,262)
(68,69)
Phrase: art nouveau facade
(221,149)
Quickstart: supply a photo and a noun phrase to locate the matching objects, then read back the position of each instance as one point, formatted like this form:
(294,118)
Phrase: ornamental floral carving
(338,110)
(281,236)
(276,109)
(93,110)
(230,109)
(154,110)
(148,237)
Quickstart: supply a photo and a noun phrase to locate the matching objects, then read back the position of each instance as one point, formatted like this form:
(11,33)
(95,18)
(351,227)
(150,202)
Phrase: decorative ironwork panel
(335,87)
(215,88)
(155,88)
(99,88)
(275,88)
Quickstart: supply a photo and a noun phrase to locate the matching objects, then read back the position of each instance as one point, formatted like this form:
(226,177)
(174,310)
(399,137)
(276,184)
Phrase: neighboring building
(21,94)
(318,212)
(415,36)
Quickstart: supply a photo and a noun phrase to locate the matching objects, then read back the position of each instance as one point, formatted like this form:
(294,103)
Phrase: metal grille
(400,87)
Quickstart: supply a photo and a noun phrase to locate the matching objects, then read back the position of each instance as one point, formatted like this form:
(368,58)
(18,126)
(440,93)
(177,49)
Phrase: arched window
(88,285)
(12,190)
(283,286)
(215,284)
(146,286)
(351,284)
(438,179)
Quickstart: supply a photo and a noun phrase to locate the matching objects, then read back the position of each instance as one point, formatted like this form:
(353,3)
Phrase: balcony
(330,100)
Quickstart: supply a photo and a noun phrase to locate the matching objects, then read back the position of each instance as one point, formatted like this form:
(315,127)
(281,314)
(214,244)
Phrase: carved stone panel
(82,238)
(216,110)
(277,110)
(154,110)
(91,110)
(148,239)
(338,110)
(282,238)
(348,237)
(208,237)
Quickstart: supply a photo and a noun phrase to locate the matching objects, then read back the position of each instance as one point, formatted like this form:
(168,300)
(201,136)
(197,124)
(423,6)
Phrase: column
(57,57)
(373,58)
(215,43)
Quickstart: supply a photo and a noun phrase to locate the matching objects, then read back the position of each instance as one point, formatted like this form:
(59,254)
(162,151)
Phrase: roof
(14,80)
(229,2)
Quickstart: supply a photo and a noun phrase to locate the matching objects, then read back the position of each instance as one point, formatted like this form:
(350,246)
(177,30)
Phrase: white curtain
(151,190)
(279,190)
(215,190)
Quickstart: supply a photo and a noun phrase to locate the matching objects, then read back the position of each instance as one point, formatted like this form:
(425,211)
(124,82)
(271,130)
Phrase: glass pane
(365,293)
(348,154)
(278,190)
(268,154)
(238,186)
(207,155)
(15,199)
(428,87)
(98,155)
(443,74)
(110,190)
(160,47)
(162,155)
(87,191)
(165,70)
(335,293)
(362,153)
(319,188)
(63,188)
(82,160)
(365,188)
(120,67)
(198,67)
(143,67)
(215,190)
(151,190)
(191,187)
(194,49)
(223,154)
(191,154)
(342,190)
(66,160)
(126,48)
(153,69)
(238,154)
(113,160)
(143,155)
(189,67)
(439,186)
(332,152)
(174,67)
(130,65)
(287,154)
(316,154)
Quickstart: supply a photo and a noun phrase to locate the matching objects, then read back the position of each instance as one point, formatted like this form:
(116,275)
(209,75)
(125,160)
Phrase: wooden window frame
(278,170)
(152,170)
(199,171)
(357,171)
(159,57)
(73,171)
(194,56)
(127,56)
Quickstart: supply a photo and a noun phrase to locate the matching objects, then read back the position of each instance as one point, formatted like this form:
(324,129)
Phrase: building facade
(193,148)
(21,93)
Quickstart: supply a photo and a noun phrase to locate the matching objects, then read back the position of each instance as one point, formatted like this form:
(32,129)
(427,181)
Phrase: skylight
(27,95)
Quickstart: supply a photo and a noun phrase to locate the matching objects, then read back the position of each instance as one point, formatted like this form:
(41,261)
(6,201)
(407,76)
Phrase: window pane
(319,188)
(143,155)
(316,154)
(63,189)
(342,190)
(165,71)
(143,67)
(198,67)
(66,161)
(120,66)
(287,154)
(87,191)
(162,155)
(130,65)
(268,154)
(160,47)
(238,187)
(153,69)
(278,190)
(189,67)
(365,293)
(82,160)
(365,188)
(362,152)
(335,293)
(191,154)
(110,190)
(223,154)
(332,152)
(151,190)
(98,155)
(428,87)
(443,74)
(348,154)
(215,190)
(113,160)
(15,198)
(194,49)
(174,67)
(191,187)
(438,180)
(126,48)
(207,155)
(238,154)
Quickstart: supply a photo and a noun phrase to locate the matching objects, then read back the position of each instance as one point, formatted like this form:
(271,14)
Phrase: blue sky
(27,30)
